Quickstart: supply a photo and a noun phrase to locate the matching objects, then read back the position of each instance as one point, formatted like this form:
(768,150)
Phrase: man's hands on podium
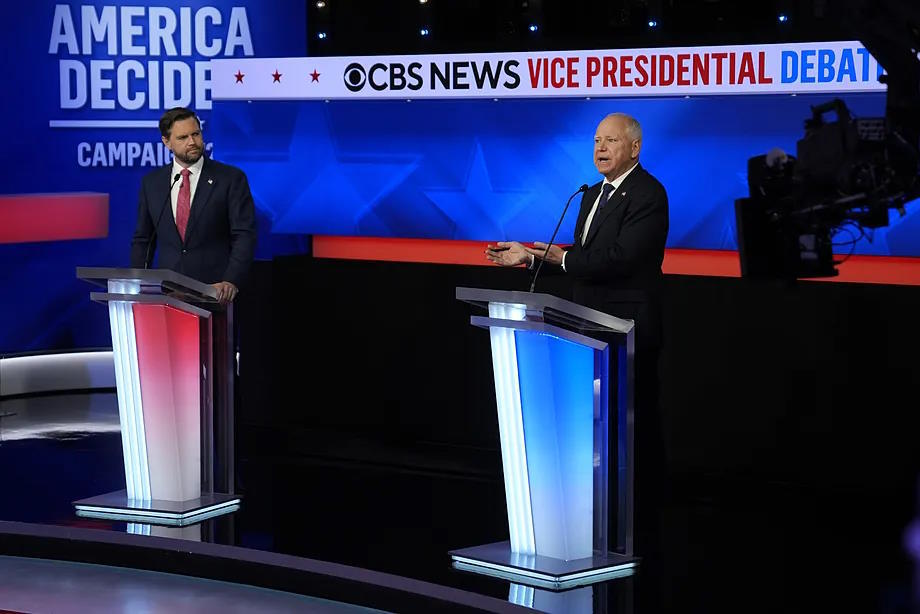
(226,292)
(512,253)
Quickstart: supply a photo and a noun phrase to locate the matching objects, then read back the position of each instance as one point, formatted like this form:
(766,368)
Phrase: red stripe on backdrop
(719,263)
(879,270)
(400,250)
(26,218)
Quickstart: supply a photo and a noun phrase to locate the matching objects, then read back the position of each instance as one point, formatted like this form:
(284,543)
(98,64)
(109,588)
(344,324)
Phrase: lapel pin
(210,181)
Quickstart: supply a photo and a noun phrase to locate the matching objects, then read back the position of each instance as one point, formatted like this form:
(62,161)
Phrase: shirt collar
(194,168)
(619,180)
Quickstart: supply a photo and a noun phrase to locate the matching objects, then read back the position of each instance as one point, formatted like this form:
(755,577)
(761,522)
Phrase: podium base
(117,506)
(542,571)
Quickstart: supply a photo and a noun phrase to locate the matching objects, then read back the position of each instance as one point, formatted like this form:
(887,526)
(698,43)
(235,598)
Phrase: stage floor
(726,545)
(36,585)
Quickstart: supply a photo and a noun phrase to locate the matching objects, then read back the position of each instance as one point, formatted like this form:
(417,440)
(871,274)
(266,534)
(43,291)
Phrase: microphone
(159,217)
(533,282)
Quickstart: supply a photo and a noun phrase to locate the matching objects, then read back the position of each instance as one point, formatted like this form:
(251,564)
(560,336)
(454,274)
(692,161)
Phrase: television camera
(847,173)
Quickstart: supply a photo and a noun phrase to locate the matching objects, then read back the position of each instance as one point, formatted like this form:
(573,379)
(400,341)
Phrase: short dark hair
(174,115)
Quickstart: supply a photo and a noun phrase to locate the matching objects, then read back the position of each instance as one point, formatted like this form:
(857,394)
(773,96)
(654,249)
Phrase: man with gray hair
(614,263)
(621,229)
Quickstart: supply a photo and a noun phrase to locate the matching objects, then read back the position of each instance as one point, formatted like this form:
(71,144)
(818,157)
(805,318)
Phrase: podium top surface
(551,308)
(153,281)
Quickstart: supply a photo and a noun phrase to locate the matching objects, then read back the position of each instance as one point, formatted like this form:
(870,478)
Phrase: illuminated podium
(551,360)
(173,349)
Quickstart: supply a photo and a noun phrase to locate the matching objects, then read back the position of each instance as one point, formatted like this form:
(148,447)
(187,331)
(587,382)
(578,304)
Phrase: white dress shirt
(616,184)
(193,177)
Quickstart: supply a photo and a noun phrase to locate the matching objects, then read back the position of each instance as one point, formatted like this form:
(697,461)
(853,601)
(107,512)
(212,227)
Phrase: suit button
(185,251)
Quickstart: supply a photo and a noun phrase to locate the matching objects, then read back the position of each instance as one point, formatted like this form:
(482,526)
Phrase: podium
(551,360)
(172,344)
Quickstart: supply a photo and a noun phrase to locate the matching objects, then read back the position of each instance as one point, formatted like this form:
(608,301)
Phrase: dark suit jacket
(221,234)
(618,270)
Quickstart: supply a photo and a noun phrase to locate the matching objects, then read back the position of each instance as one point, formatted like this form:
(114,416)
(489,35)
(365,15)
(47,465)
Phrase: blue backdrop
(474,169)
(488,170)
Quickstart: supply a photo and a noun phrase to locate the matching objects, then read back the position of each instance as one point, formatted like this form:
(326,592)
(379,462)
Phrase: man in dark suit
(615,267)
(199,213)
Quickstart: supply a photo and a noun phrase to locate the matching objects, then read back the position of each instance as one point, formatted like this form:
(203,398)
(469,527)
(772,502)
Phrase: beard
(188,158)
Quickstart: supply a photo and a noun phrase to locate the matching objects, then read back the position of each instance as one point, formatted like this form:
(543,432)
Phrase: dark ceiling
(364,27)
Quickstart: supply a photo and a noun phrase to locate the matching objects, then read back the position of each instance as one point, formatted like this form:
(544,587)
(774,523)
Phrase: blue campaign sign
(85,83)
(488,169)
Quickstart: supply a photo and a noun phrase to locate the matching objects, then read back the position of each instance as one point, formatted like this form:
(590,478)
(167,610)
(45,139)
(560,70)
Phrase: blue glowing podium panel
(551,360)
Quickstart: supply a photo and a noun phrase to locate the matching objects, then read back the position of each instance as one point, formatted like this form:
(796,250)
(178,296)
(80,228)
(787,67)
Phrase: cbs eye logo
(355,77)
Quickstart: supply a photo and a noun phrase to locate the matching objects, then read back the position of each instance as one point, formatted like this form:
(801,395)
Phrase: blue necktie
(605,195)
(606,189)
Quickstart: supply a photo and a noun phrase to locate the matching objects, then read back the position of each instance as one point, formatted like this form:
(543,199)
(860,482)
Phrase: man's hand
(554,256)
(507,253)
(226,292)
